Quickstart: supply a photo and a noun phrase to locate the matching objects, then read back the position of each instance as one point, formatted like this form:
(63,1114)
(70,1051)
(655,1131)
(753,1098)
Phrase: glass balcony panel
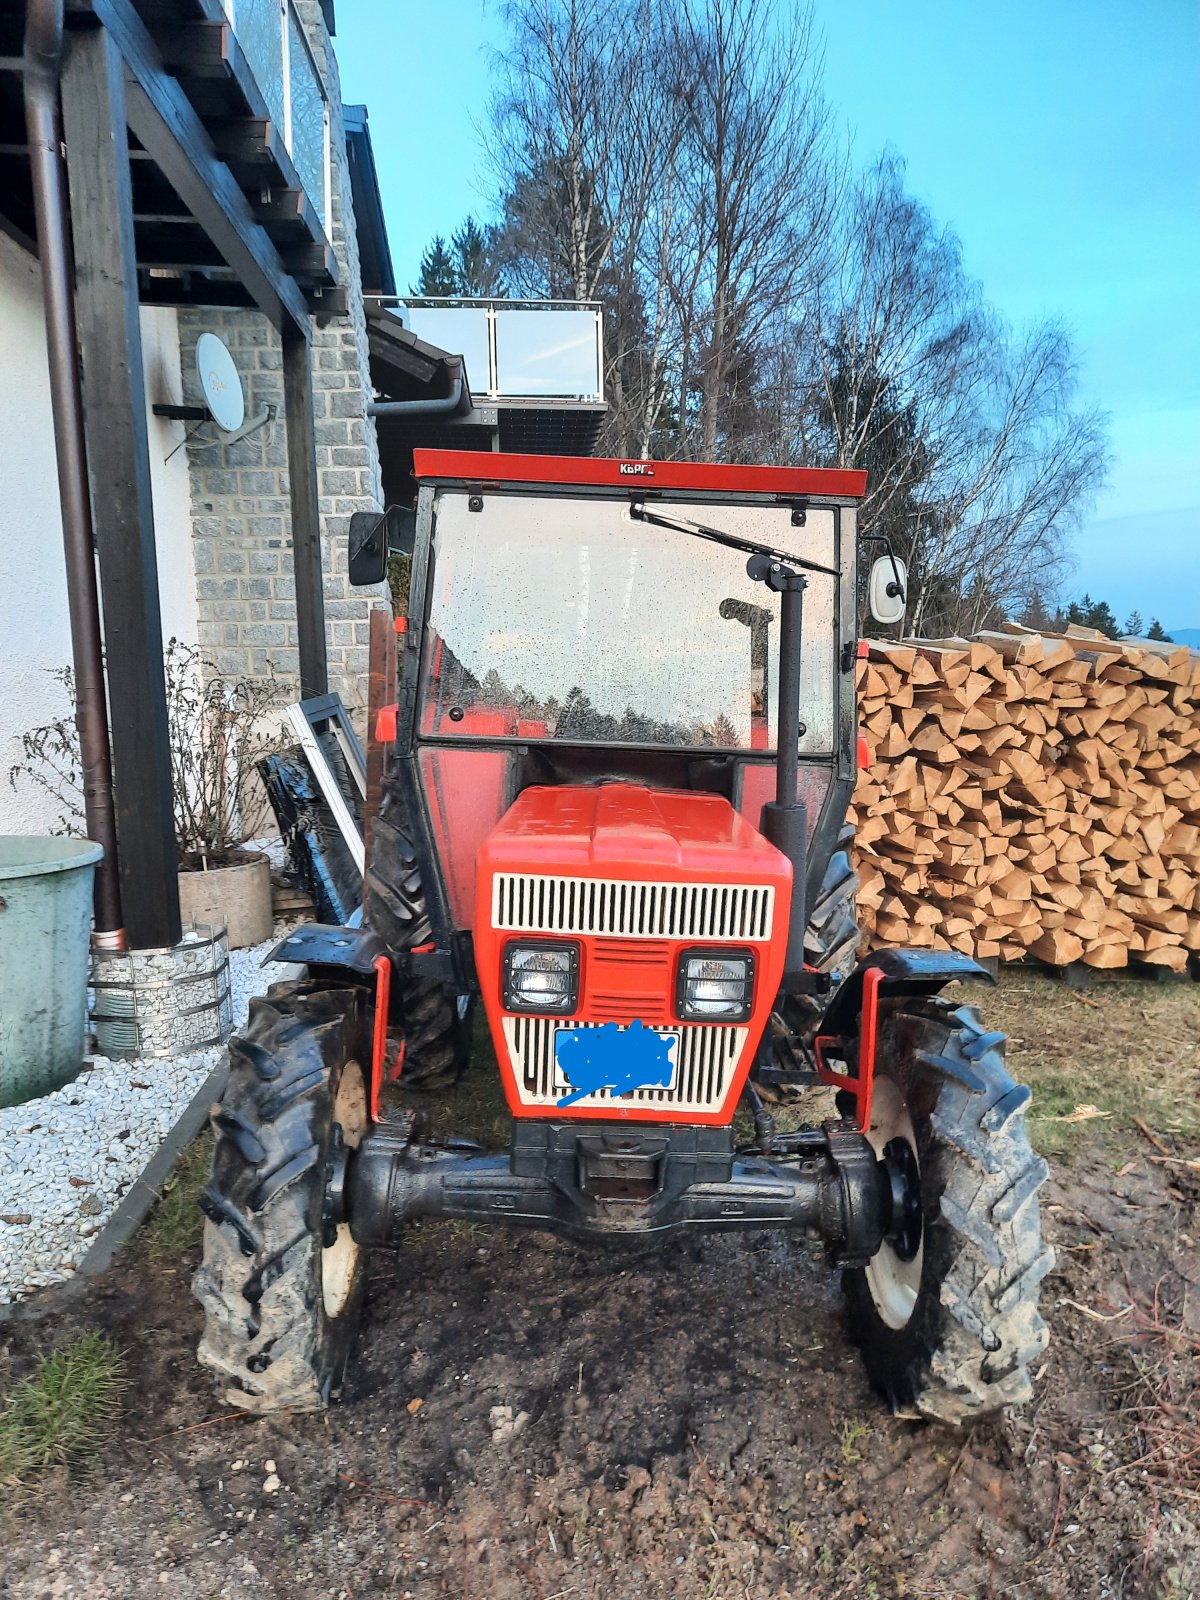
(309,128)
(547,353)
(258,25)
(462,330)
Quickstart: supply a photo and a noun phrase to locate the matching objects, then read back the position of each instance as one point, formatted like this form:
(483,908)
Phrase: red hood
(605,829)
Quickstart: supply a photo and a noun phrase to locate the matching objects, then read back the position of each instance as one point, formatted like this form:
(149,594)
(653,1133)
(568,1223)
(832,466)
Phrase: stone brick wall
(241,512)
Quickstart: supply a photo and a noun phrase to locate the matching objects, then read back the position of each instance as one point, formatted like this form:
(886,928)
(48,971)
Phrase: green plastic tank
(45,931)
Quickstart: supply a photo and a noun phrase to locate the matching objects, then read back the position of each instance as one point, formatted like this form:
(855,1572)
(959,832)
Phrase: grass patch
(174,1226)
(475,1108)
(1125,1046)
(61,1415)
(853,1434)
(1119,1096)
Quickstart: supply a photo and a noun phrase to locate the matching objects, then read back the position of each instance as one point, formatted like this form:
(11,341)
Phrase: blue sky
(1060,138)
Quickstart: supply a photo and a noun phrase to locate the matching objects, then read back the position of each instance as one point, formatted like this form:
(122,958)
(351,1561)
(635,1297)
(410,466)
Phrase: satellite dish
(220,383)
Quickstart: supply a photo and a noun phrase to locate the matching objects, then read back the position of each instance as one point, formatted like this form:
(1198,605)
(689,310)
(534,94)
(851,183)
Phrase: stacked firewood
(1032,795)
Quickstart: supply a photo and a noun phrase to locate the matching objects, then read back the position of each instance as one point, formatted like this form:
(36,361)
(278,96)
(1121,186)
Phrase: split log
(1032,795)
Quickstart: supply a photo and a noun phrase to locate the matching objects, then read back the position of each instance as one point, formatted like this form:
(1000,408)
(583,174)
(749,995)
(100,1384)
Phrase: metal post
(306,512)
(785,819)
(791,631)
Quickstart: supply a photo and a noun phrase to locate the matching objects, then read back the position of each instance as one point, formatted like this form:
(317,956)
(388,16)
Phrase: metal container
(165,1002)
(45,926)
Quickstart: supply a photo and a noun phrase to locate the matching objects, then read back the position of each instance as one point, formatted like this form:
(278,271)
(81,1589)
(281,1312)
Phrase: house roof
(374,252)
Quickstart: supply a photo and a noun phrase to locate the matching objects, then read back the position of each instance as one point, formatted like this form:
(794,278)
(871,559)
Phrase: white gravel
(67,1159)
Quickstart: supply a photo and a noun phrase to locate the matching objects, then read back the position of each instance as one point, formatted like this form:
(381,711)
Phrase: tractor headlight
(715,986)
(541,977)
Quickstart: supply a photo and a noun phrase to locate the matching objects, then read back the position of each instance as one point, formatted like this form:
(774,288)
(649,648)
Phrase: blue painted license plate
(614,1058)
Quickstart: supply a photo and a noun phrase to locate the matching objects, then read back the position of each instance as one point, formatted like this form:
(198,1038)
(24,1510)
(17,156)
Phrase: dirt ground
(695,1424)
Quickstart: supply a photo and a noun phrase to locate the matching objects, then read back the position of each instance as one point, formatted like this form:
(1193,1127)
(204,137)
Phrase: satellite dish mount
(224,400)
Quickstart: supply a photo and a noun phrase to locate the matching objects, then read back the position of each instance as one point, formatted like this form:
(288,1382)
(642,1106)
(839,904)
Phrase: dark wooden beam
(170,130)
(306,513)
(199,288)
(197,49)
(118,447)
(180,243)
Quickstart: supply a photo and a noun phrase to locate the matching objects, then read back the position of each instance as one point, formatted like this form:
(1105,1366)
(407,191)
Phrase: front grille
(617,909)
(706,1062)
(628,979)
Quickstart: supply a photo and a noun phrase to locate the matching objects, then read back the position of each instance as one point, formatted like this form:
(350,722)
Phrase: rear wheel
(397,910)
(832,937)
(946,1313)
(280,1284)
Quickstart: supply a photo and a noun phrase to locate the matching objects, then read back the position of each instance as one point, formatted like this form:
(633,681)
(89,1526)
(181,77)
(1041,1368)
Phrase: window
(566,620)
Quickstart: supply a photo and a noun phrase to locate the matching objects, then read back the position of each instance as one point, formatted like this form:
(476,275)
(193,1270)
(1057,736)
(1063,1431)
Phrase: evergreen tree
(1157,631)
(1104,618)
(438,273)
(1134,624)
(1036,613)
(474,261)
(1089,613)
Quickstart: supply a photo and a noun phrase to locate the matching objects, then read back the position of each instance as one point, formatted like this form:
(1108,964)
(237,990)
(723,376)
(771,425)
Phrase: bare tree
(585,138)
(674,159)
(757,186)
(976,459)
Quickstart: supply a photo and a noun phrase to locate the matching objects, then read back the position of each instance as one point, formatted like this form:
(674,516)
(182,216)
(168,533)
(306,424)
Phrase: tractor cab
(592,692)
(613,812)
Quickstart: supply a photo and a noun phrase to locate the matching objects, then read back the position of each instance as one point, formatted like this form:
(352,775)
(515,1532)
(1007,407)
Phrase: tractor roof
(486,467)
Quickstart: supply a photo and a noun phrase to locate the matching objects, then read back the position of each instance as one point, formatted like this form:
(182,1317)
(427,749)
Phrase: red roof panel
(482,466)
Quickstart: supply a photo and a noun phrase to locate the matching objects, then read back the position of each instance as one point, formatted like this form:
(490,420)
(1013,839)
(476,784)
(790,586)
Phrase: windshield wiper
(640,512)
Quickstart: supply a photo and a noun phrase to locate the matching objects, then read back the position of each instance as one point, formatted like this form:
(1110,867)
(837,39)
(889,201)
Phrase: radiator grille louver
(706,1061)
(615,908)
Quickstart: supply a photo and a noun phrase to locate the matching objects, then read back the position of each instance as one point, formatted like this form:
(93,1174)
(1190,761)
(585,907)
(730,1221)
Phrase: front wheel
(280,1282)
(946,1312)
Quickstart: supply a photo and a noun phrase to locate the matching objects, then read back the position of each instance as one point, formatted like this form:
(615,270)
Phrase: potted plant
(217,736)
(220,728)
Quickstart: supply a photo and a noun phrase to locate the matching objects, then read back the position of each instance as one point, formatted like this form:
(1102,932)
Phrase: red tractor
(614,811)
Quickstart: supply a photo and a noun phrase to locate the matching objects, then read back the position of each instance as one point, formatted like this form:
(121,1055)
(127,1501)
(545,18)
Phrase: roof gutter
(43,121)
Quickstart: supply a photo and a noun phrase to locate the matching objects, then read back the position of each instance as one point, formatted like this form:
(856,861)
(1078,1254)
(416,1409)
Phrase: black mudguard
(320,946)
(906,972)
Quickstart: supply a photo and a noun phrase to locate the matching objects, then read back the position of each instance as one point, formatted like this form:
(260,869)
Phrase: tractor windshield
(568,620)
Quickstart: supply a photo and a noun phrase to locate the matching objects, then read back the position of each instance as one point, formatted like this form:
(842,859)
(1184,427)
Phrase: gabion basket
(163,1002)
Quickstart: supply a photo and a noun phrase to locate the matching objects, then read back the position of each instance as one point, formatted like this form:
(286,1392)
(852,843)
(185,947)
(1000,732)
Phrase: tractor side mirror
(887,590)
(373,536)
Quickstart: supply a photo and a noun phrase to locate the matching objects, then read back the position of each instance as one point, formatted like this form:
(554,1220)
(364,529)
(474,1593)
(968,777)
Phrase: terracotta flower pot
(235,896)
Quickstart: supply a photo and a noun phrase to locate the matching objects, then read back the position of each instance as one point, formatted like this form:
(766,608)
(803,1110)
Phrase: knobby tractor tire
(832,936)
(280,1305)
(950,1333)
(396,909)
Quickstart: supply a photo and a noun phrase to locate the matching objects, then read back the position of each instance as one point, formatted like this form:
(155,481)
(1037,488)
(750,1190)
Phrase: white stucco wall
(169,475)
(35,636)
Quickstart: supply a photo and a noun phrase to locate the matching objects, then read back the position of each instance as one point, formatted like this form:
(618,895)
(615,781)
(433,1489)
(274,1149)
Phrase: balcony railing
(277,49)
(520,349)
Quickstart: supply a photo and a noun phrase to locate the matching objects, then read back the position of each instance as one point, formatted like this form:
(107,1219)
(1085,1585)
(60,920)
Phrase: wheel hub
(333,1205)
(895,1271)
(904,1180)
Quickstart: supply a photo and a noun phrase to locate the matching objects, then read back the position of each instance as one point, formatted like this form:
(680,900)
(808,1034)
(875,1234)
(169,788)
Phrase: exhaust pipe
(785,819)
(43,121)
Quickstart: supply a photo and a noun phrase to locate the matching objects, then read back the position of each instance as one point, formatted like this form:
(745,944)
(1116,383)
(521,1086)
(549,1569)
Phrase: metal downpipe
(419,408)
(43,121)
